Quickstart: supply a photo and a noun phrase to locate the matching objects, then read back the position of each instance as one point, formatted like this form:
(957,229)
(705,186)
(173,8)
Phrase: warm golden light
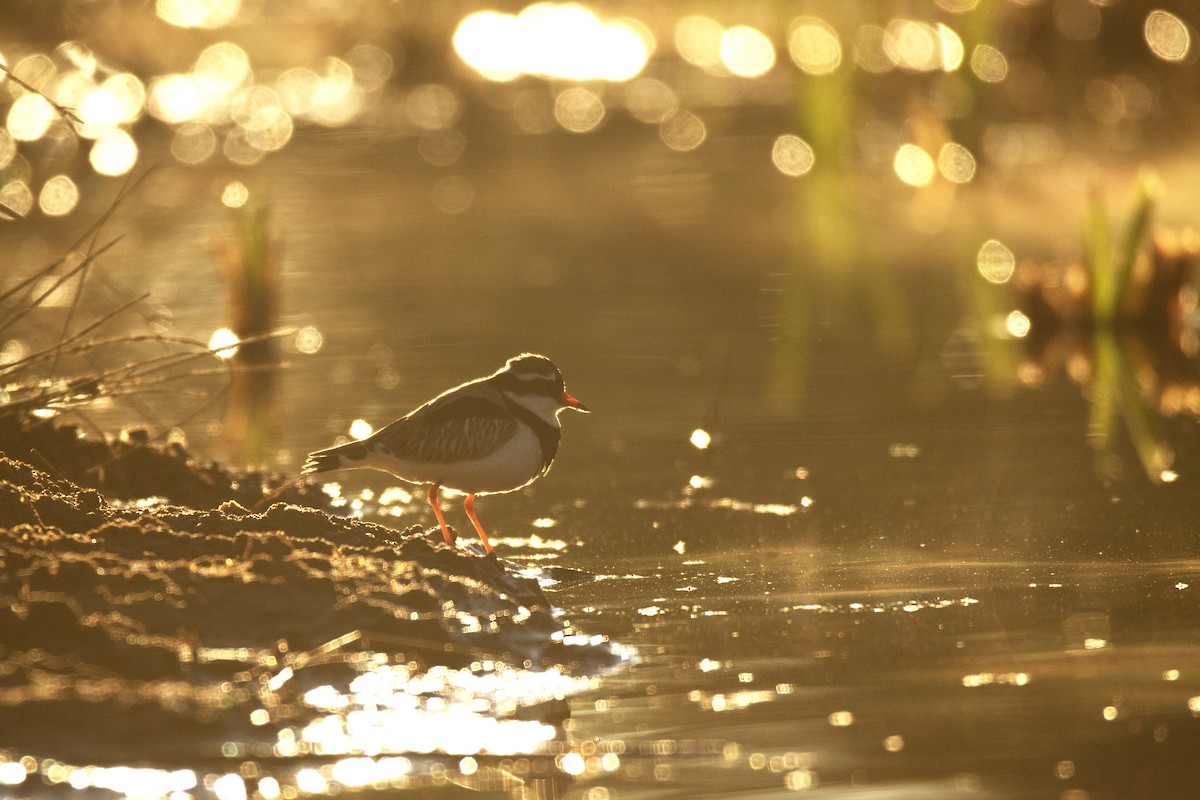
(746,52)
(235,195)
(308,341)
(700,439)
(229,787)
(913,165)
(224,343)
(952,48)
(29,117)
(682,130)
(338,100)
(913,45)
(119,99)
(578,110)
(222,68)
(197,13)
(698,40)
(297,90)
(175,98)
(792,155)
(432,107)
(871,50)
(269,129)
(372,66)
(814,46)
(8,149)
(552,40)
(114,153)
(58,197)
(989,64)
(956,163)
(360,429)
(650,100)
(238,149)
(1167,35)
(17,197)
(995,262)
(1017,325)
(194,142)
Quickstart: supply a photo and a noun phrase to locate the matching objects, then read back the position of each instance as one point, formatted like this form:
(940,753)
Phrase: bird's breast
(512,465)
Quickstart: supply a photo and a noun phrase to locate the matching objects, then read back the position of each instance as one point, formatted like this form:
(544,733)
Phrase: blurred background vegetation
(914,176)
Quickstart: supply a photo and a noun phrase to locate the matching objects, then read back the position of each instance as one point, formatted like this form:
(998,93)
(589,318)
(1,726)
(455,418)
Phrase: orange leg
(433,501)
(469,507)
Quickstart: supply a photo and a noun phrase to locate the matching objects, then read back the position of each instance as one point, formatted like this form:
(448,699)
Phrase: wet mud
(154,628)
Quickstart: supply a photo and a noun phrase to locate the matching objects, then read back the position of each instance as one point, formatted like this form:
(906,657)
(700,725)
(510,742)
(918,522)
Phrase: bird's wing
(461,428)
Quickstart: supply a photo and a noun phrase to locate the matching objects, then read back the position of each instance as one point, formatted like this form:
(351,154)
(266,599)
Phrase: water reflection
(385,726)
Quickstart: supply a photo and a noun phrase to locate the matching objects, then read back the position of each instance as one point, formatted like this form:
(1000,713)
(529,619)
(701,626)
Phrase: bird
(490,435)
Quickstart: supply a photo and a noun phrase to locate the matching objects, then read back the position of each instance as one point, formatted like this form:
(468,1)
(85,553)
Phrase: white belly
(510,467)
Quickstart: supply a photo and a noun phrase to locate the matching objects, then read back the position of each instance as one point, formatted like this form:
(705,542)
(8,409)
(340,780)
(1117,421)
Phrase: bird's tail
(335,458)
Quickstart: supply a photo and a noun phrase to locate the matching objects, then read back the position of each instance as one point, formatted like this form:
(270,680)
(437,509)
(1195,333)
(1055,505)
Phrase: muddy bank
(165,627)
(134,465)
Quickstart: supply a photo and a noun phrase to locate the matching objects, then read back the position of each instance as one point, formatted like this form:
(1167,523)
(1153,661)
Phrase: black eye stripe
(530,385)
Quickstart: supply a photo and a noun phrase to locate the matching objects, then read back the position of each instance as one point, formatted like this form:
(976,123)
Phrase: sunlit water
(847,534)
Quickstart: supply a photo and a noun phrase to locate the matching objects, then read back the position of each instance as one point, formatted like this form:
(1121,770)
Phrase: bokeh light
(432,106)
(29,117)
(234,195)
(952,48)
(372,66)
(650,100)
(8,148)
(956,163)
(791,155)
(297,89)
(17,197)
(222,67)
(552,40)
(989,64)
(197,13)
(114,153)
(175,98)
(269,129)
(913,165)
(309,340)
(913,45)
(995,262)
(238,148)
(578,110)
(37,70)
(118,100)
(698,40)
(58,197)
(814,45)
(682,130)
(193,143)
(871,51)
(1017,324)
(747,52)
(1167,35)
(224,343)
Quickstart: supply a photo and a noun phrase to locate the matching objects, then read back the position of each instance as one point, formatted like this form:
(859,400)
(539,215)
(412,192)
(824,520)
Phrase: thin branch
(63,111)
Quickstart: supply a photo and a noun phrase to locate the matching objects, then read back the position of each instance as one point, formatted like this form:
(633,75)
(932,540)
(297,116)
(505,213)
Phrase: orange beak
(570,402)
